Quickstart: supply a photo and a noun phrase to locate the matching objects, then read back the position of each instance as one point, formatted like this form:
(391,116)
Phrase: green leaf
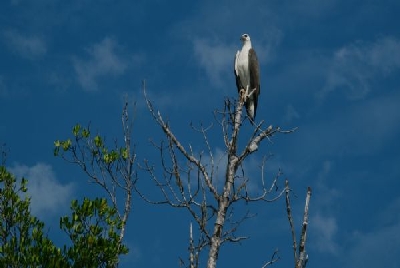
(23,244)
(85,133)
(124,153)
(98,142)
(76,129)
(66,144)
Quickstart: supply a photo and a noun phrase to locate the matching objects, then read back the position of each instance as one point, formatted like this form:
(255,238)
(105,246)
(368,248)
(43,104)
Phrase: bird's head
(245,39)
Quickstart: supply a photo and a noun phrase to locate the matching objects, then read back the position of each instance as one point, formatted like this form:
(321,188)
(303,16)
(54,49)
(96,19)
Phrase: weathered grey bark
(300,261)
(303,256)
(199,194)
(193,255)
(223,202)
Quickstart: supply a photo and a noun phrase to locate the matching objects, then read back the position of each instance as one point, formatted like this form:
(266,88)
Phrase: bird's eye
(245,35)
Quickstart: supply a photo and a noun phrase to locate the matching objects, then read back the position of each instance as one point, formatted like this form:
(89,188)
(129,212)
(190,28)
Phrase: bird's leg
(242,95)
(245,94)
(252,92)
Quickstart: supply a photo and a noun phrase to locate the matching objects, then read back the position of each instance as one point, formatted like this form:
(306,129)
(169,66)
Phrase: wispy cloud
(383,242)
(215,31)
(216,166)
(267,42)
(291,113)
(26,46)
(324,229)
(323,223)
(215,57)
(355,65)
(364,128)
(104,60)
(251,171)
(47,194)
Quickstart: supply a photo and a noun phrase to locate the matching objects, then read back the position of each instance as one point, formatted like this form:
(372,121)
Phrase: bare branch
(289,214)
(195,188)
(157,117)
(110,168)
(274,258)
(303,256)
(192,253)
(300,261)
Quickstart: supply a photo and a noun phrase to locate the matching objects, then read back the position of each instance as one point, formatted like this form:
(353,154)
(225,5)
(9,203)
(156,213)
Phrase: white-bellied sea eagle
(247,73)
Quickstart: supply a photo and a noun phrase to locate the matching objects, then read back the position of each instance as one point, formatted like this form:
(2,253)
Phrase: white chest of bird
(243,65)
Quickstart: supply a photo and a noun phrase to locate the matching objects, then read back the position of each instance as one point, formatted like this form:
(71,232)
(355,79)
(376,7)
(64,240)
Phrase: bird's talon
(242,96)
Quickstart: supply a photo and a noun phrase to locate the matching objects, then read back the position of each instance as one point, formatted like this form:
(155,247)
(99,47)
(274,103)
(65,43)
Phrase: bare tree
(190,183)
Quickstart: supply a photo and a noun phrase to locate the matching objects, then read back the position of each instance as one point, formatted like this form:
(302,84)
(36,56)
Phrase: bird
(247,73)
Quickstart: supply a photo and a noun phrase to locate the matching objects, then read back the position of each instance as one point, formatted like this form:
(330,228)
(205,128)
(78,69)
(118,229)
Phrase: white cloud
(47,194)
(29,47)
(215,57)
(250,170)
(387,217)
(215,34)
(355,65)
(324,229)
(267,42)
(375,247)
(291,113)
(103,60)
(217,168)
(323,226)
(364,128)
(385,54)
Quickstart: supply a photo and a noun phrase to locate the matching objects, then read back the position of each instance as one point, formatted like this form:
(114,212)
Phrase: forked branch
(300,260)
(194,185)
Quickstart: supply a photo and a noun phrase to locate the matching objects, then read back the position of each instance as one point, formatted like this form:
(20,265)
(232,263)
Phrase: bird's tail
(251,112)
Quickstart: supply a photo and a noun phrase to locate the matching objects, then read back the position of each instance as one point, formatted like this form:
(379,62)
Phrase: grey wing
(254,71)
(254,77)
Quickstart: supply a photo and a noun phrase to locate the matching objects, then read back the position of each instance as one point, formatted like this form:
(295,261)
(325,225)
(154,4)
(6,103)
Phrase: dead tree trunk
(224,202)
(193,185)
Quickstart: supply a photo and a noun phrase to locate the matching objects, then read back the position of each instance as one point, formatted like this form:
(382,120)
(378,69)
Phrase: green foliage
(98,141)
(95,145)
(94,223)
(22,241)
(94,229)
(65,145)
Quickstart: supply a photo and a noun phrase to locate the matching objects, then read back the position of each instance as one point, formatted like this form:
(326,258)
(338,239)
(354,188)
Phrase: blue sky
(331,68)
